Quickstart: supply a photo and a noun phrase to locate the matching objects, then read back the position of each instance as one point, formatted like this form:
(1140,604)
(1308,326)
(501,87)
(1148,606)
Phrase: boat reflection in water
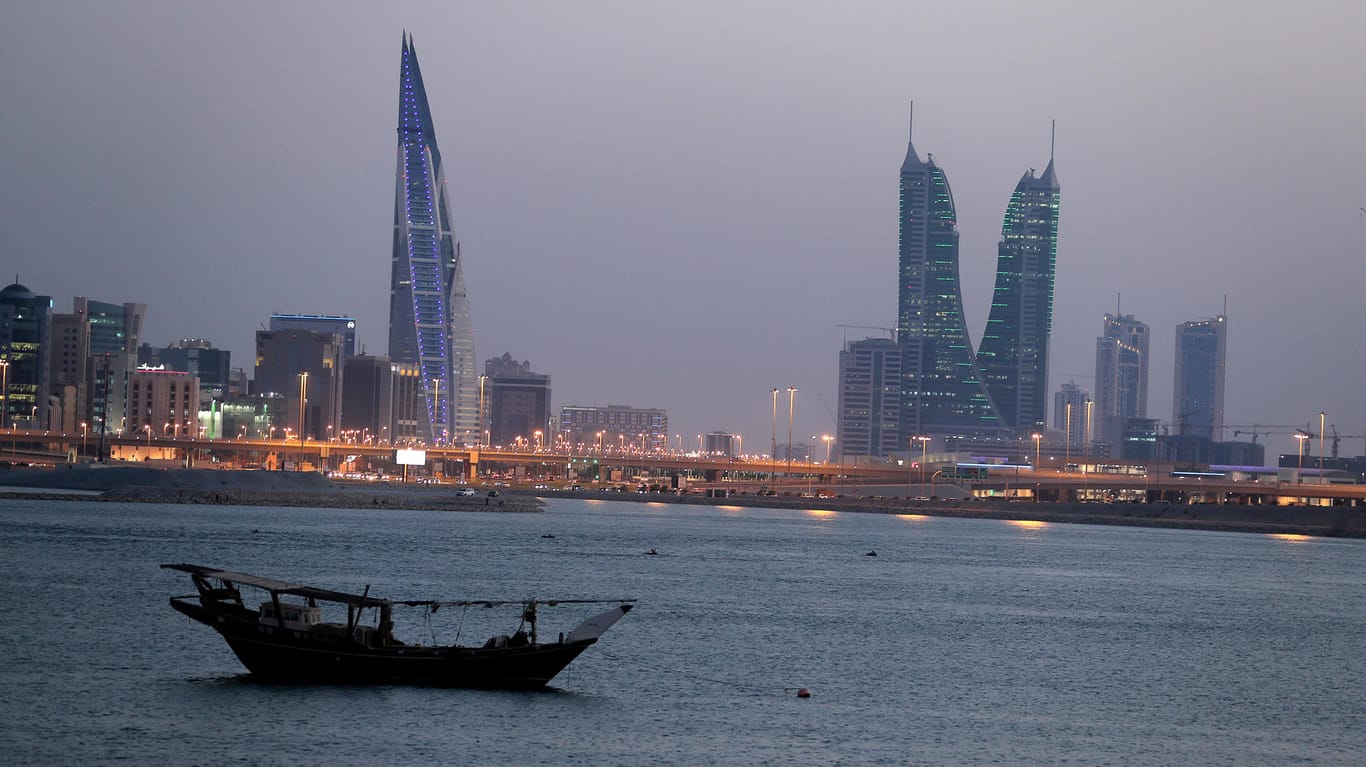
(286,638)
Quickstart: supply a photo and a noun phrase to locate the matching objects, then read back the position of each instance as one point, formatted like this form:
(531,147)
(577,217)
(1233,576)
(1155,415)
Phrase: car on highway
(465,492)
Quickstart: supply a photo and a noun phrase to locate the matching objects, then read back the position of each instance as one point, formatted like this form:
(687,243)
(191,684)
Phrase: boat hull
(281,654)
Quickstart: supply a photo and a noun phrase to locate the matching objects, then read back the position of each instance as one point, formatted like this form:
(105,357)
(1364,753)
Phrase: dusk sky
(678,205)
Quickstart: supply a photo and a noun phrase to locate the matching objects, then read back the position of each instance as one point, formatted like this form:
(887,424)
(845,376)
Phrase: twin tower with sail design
(946,390)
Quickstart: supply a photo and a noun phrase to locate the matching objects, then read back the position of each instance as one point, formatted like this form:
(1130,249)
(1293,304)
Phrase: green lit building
(1013,355)
(942,394)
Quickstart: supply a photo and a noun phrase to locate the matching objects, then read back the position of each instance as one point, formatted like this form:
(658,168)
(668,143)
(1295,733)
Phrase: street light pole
(303,408)
(773,451)
(1038,453)
(1321,416)
(791,405)
(4,391)
(1300,437)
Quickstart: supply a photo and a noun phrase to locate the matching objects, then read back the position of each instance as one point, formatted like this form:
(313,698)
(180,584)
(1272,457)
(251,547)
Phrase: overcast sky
(677,205)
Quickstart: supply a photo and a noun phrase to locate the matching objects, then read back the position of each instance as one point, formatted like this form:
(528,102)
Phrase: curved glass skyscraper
(1013,356)
(941,390)
(429,313)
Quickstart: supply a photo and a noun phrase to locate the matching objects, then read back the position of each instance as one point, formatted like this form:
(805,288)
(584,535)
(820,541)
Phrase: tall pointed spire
(912,159)
(429,314)
(1049,177)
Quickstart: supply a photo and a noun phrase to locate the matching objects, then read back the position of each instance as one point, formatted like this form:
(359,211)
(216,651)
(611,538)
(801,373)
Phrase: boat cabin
(296,616)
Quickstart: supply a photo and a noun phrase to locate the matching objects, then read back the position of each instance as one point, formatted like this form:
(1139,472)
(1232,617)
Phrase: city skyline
(675,213)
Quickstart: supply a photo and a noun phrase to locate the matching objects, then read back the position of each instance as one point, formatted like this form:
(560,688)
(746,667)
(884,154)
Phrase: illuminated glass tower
(1198,396)
(429,312)
(1013,355)
(941,388)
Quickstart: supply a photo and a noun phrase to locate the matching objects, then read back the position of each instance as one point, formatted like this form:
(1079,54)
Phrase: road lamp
(482,379)
(828,439)
(4,391)
(303,409)
(1300,437)
(773,451)
(1087,444)
(1321,416)
(924,454)
(148,428)
(1038,442)
(600,442)
(83,430)
(791,405)
(1067,443)
(538,434)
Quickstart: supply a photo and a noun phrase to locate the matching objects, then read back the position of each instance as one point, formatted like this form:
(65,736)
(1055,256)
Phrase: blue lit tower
(1013,356)
(429,313)
(941,388)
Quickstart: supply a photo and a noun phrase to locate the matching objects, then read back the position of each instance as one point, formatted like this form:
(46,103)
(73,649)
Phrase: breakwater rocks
(136,484)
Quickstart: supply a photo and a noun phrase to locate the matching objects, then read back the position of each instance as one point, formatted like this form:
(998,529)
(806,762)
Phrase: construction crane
(891,332)
(1339,437)
(1258,430)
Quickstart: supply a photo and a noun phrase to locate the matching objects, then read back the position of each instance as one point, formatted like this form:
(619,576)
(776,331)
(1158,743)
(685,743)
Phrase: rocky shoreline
(137,484)
(1320,521)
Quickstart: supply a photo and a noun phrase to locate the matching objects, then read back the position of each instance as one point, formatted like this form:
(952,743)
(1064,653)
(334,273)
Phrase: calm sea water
(961,642)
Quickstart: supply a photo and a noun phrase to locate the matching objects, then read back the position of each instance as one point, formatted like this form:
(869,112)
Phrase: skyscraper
(1198,396)
(1070,413)
(1121,375)
(870,381)
(429,313)
(1013,355)
(942,393)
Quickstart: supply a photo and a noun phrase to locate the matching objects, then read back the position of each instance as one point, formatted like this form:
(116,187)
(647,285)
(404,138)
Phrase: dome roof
(16,291)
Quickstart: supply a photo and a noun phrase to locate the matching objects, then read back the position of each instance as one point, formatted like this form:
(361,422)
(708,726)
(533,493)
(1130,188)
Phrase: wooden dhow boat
(286,637)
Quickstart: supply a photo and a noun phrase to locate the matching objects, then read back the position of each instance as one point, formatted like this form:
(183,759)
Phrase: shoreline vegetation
(136,484)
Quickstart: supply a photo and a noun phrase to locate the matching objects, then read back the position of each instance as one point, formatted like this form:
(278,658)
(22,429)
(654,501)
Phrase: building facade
(25,343)
(518,403)
(1198,394)
(1013,355)
(1073,412)
(1121,375)
(942,393)
(162,403)
(319,323)
(367,412)
(613,427)
(305,369)
(869,399)
(429,313)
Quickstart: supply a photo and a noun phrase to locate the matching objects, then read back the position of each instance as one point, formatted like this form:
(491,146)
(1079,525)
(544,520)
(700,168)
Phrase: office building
(319,323)
(429,313)
(305,369)
(942,393)
(1198,395)
(869,400)
(720,444)
(613,426)
(518,403)
(1072,414)
(367,411)
(25,342)
(162,403)
(1013,356)
(1121,375)
(196,356)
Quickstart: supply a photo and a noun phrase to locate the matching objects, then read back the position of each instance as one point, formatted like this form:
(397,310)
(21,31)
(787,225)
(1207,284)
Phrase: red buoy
(803,693)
